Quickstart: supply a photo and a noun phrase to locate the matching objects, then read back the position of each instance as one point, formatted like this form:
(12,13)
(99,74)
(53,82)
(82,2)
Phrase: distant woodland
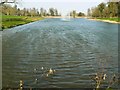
(7,9)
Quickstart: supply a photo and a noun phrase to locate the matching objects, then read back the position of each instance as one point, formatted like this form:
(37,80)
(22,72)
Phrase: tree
(8,1)
(15,8)
(18,12)
(41,12)
(101,7)
(106,12)
(51,11)
(45,13)
(6,9)
(118,9)
(81,14)
(110,9)
(33,12)
(113,7)
(95,12)
(56,12)
(89,12)
(37,13)
(73,13)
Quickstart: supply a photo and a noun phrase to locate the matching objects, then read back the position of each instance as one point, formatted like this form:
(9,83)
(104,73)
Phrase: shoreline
(53,17)
(33,19)
(108,21)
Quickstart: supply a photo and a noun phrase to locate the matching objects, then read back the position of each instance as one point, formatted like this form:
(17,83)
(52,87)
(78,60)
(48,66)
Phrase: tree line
(7,9)
(105,10)
(76,14)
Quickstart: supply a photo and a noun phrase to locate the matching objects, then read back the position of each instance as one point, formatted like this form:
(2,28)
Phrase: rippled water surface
(76,50)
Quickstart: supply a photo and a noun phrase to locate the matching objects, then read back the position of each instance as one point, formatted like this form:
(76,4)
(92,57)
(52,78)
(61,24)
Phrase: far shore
(108,21)
(60,17)
(53,17)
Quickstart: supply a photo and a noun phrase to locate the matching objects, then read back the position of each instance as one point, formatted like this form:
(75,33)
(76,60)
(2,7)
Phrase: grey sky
(64,6)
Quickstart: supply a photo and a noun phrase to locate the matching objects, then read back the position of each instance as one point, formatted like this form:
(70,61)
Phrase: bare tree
(8,1)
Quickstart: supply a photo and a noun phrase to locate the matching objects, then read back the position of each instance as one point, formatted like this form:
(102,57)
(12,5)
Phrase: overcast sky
(64,6)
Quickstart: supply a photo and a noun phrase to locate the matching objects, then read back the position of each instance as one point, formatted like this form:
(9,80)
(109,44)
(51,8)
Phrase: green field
(12,21)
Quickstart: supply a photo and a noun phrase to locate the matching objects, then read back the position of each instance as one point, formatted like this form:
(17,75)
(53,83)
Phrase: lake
(77,50)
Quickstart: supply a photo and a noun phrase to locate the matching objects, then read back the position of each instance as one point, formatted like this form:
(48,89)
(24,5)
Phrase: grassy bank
(110,19)
(12,21)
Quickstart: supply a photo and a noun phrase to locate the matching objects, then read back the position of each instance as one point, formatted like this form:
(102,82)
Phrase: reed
(102,76)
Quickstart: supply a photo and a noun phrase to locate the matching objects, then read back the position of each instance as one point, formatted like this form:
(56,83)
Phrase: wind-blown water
(76,50)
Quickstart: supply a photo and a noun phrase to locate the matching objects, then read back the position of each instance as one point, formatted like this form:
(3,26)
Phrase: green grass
(12,21)
(8,24)
(111,19)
